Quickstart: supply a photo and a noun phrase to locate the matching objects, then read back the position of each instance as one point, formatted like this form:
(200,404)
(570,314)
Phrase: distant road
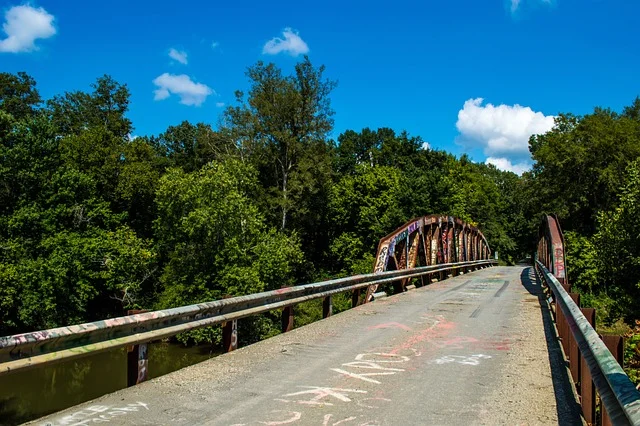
(468,350)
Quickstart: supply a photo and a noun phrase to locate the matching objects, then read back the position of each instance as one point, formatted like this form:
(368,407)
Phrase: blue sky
(467,76)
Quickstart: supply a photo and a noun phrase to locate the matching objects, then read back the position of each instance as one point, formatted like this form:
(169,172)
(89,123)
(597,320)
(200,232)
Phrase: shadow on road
(568,409)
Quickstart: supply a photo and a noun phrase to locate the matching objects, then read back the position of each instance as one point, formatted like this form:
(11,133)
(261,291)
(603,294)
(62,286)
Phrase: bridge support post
(355,298)
(230,336)
(574,352)
(615,344)
(137,364)
(563,326)
(587,388)
(287,319)
(137,358)
(421,281)
(327,307)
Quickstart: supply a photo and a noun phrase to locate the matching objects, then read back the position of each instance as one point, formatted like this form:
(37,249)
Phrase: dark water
(34,393)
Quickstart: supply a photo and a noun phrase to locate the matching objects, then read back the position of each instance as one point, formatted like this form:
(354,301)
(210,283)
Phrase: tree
(18,95)
(283,117)
(476,195)
(76,277)
(137,181)
(617,243)
(66,252)
(580,163)
(104,108)
(214,238)
(191,146)
(423,169)
(363,208)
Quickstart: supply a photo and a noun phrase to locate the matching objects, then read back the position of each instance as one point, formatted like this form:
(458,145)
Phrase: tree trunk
(284,196)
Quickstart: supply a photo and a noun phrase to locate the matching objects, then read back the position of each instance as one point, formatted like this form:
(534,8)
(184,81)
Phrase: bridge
(438,334)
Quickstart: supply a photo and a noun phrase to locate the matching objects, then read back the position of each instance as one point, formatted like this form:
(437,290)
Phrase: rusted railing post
(615,344)
(230,336)
(574,351)
(137,358)
(559,322)
(564,325)
(355,297)
(137,365)
(587,388)
(287,319)
(327,307)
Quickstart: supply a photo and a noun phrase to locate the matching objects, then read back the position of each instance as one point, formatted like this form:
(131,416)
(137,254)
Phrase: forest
(94,222)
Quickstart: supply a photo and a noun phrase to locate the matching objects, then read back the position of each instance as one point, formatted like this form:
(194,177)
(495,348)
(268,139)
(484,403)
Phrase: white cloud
(291,44)
(425,146)
(521,7)
(214,45)
(178,55)
(190,92)
(506,164)
(219,104)
(501,131)
(23,26)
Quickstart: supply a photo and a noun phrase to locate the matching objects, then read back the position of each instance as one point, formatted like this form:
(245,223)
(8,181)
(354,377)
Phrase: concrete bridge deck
(474,349)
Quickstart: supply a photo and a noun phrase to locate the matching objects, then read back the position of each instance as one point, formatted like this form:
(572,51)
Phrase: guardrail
(39,348)
(591,363)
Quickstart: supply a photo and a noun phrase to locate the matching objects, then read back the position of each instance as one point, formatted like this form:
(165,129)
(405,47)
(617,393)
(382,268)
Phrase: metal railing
(39,348)
(618,394)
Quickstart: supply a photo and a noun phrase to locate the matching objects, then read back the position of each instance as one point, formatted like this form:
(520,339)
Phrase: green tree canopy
(215,239)
(281,120)
(580,163)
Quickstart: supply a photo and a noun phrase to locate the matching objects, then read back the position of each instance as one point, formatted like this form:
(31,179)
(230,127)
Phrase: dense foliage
(93,223)
(587,171)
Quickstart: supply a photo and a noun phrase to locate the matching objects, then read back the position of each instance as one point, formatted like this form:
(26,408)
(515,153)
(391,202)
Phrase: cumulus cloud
(178,55)
(506,164)
(23,25)
(501,131)
(425,146)
(291,44)
(190,92)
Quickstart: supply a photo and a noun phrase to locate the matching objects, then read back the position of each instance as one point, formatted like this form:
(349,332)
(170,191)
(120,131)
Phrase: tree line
(94,222)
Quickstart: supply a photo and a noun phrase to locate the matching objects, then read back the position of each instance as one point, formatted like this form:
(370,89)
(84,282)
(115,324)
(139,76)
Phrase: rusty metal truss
(426,241)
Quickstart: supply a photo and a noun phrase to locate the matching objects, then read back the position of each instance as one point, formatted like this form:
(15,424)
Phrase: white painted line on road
(295,416)
(321,393)
(363,376)
(327,417)
(459,359)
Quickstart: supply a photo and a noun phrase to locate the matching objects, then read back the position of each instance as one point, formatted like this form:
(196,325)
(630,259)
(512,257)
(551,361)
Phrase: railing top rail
(618,394)
(143,327)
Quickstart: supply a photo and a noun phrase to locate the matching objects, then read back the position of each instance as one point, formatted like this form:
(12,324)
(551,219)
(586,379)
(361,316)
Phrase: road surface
(474,349)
